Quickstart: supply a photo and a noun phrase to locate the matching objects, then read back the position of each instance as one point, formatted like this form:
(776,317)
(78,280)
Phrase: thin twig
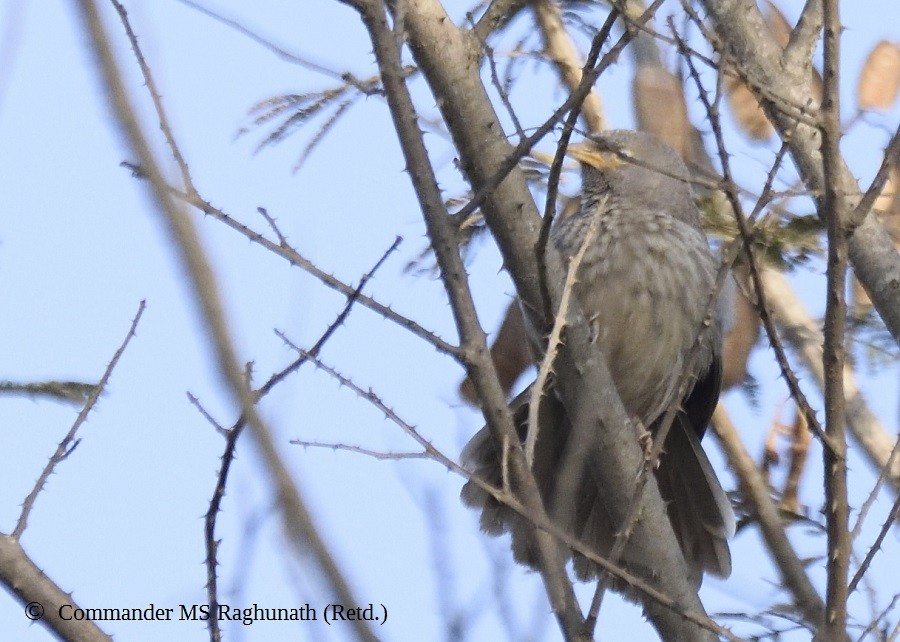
(282,239)
(359,450)
(262,40)
(155,97)
(555,340)
(890,160)
(498,84)
(291,255)
(543,523)
(68,443)
(883,475)
(559,157)
(892,517)
(190,195)
(298,521)
(233,434)
(746,235)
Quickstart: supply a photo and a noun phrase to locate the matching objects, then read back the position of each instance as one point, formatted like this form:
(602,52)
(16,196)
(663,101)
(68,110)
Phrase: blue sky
(120,523)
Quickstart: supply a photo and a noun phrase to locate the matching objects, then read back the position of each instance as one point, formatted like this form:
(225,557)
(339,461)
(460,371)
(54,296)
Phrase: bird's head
(629,162)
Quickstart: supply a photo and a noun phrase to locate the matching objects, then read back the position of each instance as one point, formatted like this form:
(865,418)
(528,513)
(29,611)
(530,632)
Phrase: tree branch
(297,518)
(582,376)
(444,241)
(755,489)
(832,208)
(751,47)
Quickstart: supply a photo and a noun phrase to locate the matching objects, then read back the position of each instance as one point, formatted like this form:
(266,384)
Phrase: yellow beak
(589,155)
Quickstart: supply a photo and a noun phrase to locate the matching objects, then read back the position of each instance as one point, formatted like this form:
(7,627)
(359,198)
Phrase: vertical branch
(833,209)
(445,242)
(448,58)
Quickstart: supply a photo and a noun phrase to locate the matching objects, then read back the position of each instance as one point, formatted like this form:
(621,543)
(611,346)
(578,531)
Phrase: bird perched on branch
(643,284)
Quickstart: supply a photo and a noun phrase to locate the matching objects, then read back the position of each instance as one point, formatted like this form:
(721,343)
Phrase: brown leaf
(778,25)
(879,80)
(747,112)
(510,354)
(782,29)
(801,437)
(660,107)
(741,339)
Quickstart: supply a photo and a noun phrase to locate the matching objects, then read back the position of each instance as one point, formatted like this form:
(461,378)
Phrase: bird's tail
(698,508)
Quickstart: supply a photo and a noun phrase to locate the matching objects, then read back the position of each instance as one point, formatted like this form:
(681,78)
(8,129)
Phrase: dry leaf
(510,354)
(741,339)
(747,112)
(660,106)
(801,437)
(879,80)
(782,29)
(778,25)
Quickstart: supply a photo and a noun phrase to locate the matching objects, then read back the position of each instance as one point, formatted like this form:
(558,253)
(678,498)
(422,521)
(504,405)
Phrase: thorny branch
(234,432)
(299,523)
(432,452)
(69,443)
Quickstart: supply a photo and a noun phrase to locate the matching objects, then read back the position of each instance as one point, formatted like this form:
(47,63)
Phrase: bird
(643,284)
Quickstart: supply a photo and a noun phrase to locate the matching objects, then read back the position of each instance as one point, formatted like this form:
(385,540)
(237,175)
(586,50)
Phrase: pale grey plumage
(643,284)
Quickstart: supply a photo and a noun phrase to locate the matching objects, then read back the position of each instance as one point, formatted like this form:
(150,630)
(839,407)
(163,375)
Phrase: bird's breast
(643,284)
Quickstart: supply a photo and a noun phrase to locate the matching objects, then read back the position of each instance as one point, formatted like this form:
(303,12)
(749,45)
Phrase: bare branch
(268,44)
(741,28)
(68,444)
(498,11)
(42,597)
(755,490)
(293,257)
(833,210)
(799,50)
(155,97)
(233,434)
(444,241)
(359,450)
(304,535)
(651,592)
(892,517)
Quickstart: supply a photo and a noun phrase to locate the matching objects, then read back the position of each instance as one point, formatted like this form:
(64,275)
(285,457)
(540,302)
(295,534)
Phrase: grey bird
(643,284)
